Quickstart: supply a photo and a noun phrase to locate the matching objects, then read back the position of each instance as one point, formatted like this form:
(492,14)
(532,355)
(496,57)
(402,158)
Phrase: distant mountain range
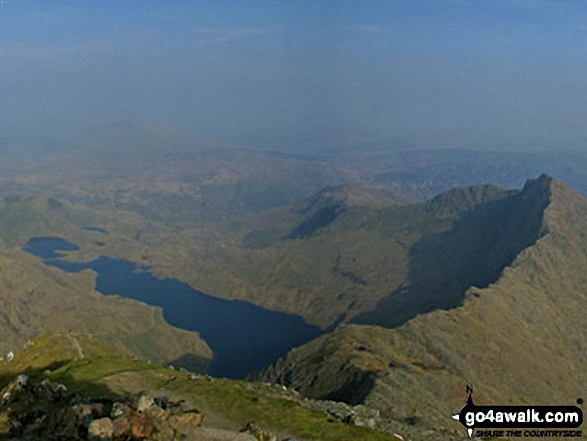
(423,174)
(169,177)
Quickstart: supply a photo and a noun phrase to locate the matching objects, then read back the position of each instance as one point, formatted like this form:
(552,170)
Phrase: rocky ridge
(519,339)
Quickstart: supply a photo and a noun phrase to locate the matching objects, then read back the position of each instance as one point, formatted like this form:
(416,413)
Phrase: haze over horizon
(507,74)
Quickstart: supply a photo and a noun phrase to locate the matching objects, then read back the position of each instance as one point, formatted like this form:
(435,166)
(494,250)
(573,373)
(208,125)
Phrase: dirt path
(77,346)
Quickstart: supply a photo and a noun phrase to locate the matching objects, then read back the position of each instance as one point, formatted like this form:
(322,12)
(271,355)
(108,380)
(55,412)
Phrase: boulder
(101,429)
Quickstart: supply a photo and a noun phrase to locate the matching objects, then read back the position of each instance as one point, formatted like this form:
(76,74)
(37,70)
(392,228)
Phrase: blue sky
(316,74)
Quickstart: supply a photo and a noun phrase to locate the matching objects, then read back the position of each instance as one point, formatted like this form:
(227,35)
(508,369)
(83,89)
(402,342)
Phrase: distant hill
(517,334)
(423,174)
(323,208)
(196,183)
(165,175)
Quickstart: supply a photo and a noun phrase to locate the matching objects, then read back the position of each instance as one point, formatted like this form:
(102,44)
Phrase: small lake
(97,229)
(243,336)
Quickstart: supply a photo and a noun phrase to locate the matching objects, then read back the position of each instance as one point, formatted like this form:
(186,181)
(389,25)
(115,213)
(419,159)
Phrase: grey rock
(145,402)
(100,429)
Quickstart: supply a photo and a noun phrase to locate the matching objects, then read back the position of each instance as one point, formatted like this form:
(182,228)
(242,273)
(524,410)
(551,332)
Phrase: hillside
(94,376)
(341,253)
(36,298)
(331,258)
(518,339)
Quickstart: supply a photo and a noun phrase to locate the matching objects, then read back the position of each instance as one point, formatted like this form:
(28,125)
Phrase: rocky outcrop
(46,410)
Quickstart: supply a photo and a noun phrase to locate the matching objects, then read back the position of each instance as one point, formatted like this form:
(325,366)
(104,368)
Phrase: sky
(308,74)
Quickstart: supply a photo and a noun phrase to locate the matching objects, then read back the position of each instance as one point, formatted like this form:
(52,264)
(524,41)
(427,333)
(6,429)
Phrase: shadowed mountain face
(327,205)
(518,334)
(480,244)
(353,254)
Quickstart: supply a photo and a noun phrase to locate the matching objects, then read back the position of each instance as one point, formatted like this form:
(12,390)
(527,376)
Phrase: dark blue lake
(97,229)
(244,337)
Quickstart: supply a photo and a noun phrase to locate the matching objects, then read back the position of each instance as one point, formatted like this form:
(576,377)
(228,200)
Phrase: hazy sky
(485,74)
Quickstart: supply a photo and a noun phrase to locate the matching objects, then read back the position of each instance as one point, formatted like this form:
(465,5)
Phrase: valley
(414,298)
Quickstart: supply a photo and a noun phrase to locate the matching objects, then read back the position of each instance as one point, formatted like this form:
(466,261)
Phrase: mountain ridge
(519,340)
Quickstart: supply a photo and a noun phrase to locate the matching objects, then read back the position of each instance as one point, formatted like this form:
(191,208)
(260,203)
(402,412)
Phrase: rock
(100,429)
(165,433)
(119,410)
(366,417)
(341,413)
(142,426)
(258,433)
(50,391)
(98,410)
(21,381)
(191,418)
(370,423)
(162,402)
(121,427)
(84,415)
(145,402)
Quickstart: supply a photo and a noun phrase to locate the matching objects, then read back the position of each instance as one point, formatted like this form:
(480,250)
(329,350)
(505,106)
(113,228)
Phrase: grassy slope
(520,340)
(36,298)
(91,369)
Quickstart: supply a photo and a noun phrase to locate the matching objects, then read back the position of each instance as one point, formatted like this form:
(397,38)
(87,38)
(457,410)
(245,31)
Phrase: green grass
(55,356)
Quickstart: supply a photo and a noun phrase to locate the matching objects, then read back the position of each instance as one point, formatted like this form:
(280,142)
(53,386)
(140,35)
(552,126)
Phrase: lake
(244,337)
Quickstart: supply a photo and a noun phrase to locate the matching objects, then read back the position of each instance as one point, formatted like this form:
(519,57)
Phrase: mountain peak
(327,205)
(518,333)
(353,196)
(458,200)
(544,182)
